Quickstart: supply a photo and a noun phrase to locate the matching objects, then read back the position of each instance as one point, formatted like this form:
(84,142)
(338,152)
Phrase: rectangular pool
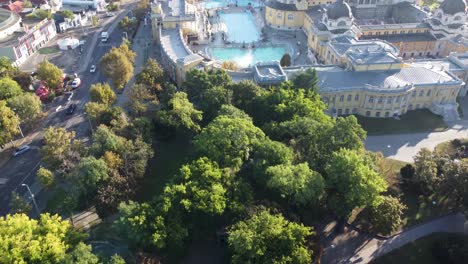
(212,4)
(248,57)
(240,27)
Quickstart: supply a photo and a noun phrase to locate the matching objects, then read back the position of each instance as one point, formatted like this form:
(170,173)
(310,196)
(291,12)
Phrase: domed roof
(339,9)
(453,6)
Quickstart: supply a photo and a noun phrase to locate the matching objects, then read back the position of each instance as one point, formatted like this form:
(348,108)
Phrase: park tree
(45,177)
(269,238)
(228,140)
(67,14)
(232,111)
(6,67)
(19,205)
(102,113)
(117,65)
(266,153)
(116,259)
(351,182)
(125,48)
(181,114)
(27,106)
(151,76)
(81,254)
(197,81)
(425,171)
(297,184)
(23,79)
(102,93)
(50,73)
(116,189)
(454,184)
(88,174)
(385,216)
(141,98)
(9,88)
(307,80)
(244,94)
(9,123)
(213,99)
(285,60)
(25,240)
(58,146)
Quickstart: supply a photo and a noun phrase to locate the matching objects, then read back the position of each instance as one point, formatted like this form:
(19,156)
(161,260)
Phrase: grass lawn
(168,158)
(48,50)
(418,252)
(421,120)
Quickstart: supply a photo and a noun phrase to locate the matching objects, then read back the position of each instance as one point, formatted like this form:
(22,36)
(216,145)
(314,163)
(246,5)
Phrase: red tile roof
(15,7)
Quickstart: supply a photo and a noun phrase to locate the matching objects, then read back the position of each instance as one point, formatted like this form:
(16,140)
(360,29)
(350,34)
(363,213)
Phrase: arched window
(389,100)
(387,114)
(342,24)
(421,93)
(340,111)
(356,97)
(380,100)
(457,18)
(346,111)
(290,17)
(414,94)
(371,99)
(341,98)
(367,113)
(428,93)
(377,114)
(349,97)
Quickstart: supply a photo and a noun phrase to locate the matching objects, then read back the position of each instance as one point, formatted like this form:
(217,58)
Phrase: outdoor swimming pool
(211,4)
(240,27)
(248,57)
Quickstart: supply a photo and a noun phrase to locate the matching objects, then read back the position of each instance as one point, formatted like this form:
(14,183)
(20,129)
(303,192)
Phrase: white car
(76,83)
(92,69)
(21,150)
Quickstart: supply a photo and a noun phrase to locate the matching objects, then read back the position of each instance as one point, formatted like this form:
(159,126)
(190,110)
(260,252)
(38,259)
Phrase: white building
(91,4)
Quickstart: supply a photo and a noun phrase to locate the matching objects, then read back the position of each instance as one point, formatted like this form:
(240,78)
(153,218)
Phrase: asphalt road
(22,169)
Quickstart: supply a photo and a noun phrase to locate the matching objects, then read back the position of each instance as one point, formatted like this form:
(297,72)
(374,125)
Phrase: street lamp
(32,197)
(125,33)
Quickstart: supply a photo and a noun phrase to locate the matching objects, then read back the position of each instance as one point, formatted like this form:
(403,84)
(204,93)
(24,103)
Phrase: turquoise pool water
(248,57)
(240,27)
(211,4)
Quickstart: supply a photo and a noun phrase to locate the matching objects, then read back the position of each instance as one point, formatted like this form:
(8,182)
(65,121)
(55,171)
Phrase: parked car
(71,109)
(21,150)
(76,83)
(92,69)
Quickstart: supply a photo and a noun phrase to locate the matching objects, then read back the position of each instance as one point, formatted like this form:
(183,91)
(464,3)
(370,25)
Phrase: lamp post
(32,197)
(125,33)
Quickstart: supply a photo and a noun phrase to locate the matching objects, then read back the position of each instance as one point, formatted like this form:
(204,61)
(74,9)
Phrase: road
(22,169)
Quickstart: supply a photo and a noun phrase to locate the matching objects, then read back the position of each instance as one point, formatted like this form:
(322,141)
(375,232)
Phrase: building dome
(453,6)
(341,9)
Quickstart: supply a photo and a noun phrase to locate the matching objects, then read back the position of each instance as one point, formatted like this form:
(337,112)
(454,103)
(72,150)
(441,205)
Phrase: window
(404,55)
(414,94)
(402,32)
(394,32)
(421,93)
(385,33)
(354,110)
(420,54)
(389,100)
(410,107)
(370,34)
(356,97)
(428,93)
(371,99)
(346,111)
(341,98)
(340,111)
(377,114)
(378,33)
(367,113)
(349,98)
(290,17)
(380,100)
(387,114)
(412,54)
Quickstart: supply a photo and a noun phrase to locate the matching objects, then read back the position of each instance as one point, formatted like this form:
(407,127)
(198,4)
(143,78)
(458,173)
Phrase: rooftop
(269,73)
(175,47)
(365,51)
(7,19)
(403,37)
(281,6)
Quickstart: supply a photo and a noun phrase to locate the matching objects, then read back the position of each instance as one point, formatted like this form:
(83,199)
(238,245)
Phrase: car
(76,83)
(93,68)
(71,109)
(21,150)
(109,14)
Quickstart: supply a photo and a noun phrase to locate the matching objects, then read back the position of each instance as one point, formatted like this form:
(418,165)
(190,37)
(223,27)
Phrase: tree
(89,173)
(351,182)
(102,93)
(26,240)
(266,153)
(385,216)
(67,14)
(213,99)
(118,66)
(81,255)
(268,238)
(307,80)
(297,183)
(407,172)
(135,222)
(116,259)
(42,14)
(152,75)
(58,145)
(102,113)
(19,205)
(116,189)
(228,140)
(27,106)
(6,67)
(181,114)
(45,177)
(126,23)
(197,81)
(50,73)
(454,184)
(425,174)
(9,88)
(27,4)
(141,98)
(9,123)
(285,60)
(244,94)
(23,79)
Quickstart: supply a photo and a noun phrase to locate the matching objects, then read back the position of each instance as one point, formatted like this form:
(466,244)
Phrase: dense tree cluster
(117,64)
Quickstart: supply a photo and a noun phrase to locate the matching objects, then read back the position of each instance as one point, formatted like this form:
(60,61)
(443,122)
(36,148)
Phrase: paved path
(405,146)
(352,247)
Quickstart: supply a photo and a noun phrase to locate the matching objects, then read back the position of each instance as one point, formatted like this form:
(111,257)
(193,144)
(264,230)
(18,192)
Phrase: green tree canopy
(152,75)
(244,94)
(268,238)
(9,123)
(9,88)
(385,216)
(67,14)
(89,173)
(50,73)
(197,81)
(228,140)
(81,254)
(266,153)
(426,175)
(307,80)
(181,114)
(27,106)
(58,145)
(117,65)
(102,93)
(351,182)
(45,177)
(297,183)
(19,205)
